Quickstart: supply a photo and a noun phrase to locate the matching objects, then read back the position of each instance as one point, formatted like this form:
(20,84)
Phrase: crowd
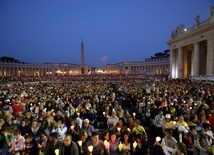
(127,117)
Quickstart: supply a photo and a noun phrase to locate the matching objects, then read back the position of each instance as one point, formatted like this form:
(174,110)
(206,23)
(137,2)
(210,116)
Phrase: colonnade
(192,49)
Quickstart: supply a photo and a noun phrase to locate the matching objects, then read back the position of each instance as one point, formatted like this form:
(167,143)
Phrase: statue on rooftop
(180,28)
(212,10)
(197,18)
(172,33)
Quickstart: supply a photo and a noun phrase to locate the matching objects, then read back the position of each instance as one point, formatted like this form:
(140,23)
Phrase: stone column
(180,63)
(172,63)
(210,57)
(196,59)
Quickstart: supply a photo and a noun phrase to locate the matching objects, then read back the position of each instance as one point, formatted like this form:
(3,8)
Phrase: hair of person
(17,132)
(94,134)
(68,135)
(86,121)
(182,147)
(43,133)
(82,133)
(170,131)
(205,125)
(105,132)
(123,120)
(54,135)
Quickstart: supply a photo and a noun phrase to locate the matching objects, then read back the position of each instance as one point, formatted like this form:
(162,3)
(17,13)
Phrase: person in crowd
(24,128)
(120,127)
(112,146)
(168,123)
(82,143)
(88,127)
(138,129)
(15,125)
(43,143)
(54,143)
(180,149)
(113,120)
(193,122)
(68,147)
(74,129)
(125,141)
(208,133)
(30,146)
(6,137)
(35,130)
(98,145)
(130,124)
(61,130)
(169,140)
(142,145)
(158,122)
(8,116)
(17,144)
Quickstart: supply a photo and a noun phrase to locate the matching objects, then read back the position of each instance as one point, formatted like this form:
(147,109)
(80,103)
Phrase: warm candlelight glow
(90,148)
(134,144)
(57,151)
(118,129)
(120,146)
(128,129)
(72,127)
(104,112)
(174,122)
(80,143)
(158,139)
(134,114)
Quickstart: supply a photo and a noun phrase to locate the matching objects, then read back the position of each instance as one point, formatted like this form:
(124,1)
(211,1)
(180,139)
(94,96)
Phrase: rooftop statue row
(180,29)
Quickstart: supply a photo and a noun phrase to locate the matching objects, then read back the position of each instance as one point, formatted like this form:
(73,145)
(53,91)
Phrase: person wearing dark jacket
(30,147)
(53,144)
(68,147)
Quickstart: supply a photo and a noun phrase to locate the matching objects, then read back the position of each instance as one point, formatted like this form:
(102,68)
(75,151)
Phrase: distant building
(155,65)
(192,49)
(12,67)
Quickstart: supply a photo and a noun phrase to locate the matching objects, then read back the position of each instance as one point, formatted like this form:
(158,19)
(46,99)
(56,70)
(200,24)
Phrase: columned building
(151,66)
(45,69)
(192,49)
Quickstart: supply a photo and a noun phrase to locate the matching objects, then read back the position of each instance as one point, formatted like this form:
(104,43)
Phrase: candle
(104,112)
(134,114)
(174,122)
(134,144)
(90,149)
(118,129)
(158,139)
(57,151)
(80,143)
(72,127)
(120,146)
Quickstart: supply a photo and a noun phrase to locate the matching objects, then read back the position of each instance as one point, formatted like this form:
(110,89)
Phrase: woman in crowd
(125,145)
(180,149)
(112,147)
(141,148)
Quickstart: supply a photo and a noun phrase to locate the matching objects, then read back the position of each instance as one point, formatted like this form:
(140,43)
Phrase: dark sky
(113,31)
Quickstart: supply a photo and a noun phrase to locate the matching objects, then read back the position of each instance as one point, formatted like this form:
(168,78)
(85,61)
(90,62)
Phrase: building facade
(192,49)
(45,69)
(151,66)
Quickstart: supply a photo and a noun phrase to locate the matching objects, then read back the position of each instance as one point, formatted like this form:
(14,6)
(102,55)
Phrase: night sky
(39,31)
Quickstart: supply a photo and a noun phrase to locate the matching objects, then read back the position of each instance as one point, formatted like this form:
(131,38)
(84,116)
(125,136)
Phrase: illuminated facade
(192,49)
(150,66)
(46,69)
